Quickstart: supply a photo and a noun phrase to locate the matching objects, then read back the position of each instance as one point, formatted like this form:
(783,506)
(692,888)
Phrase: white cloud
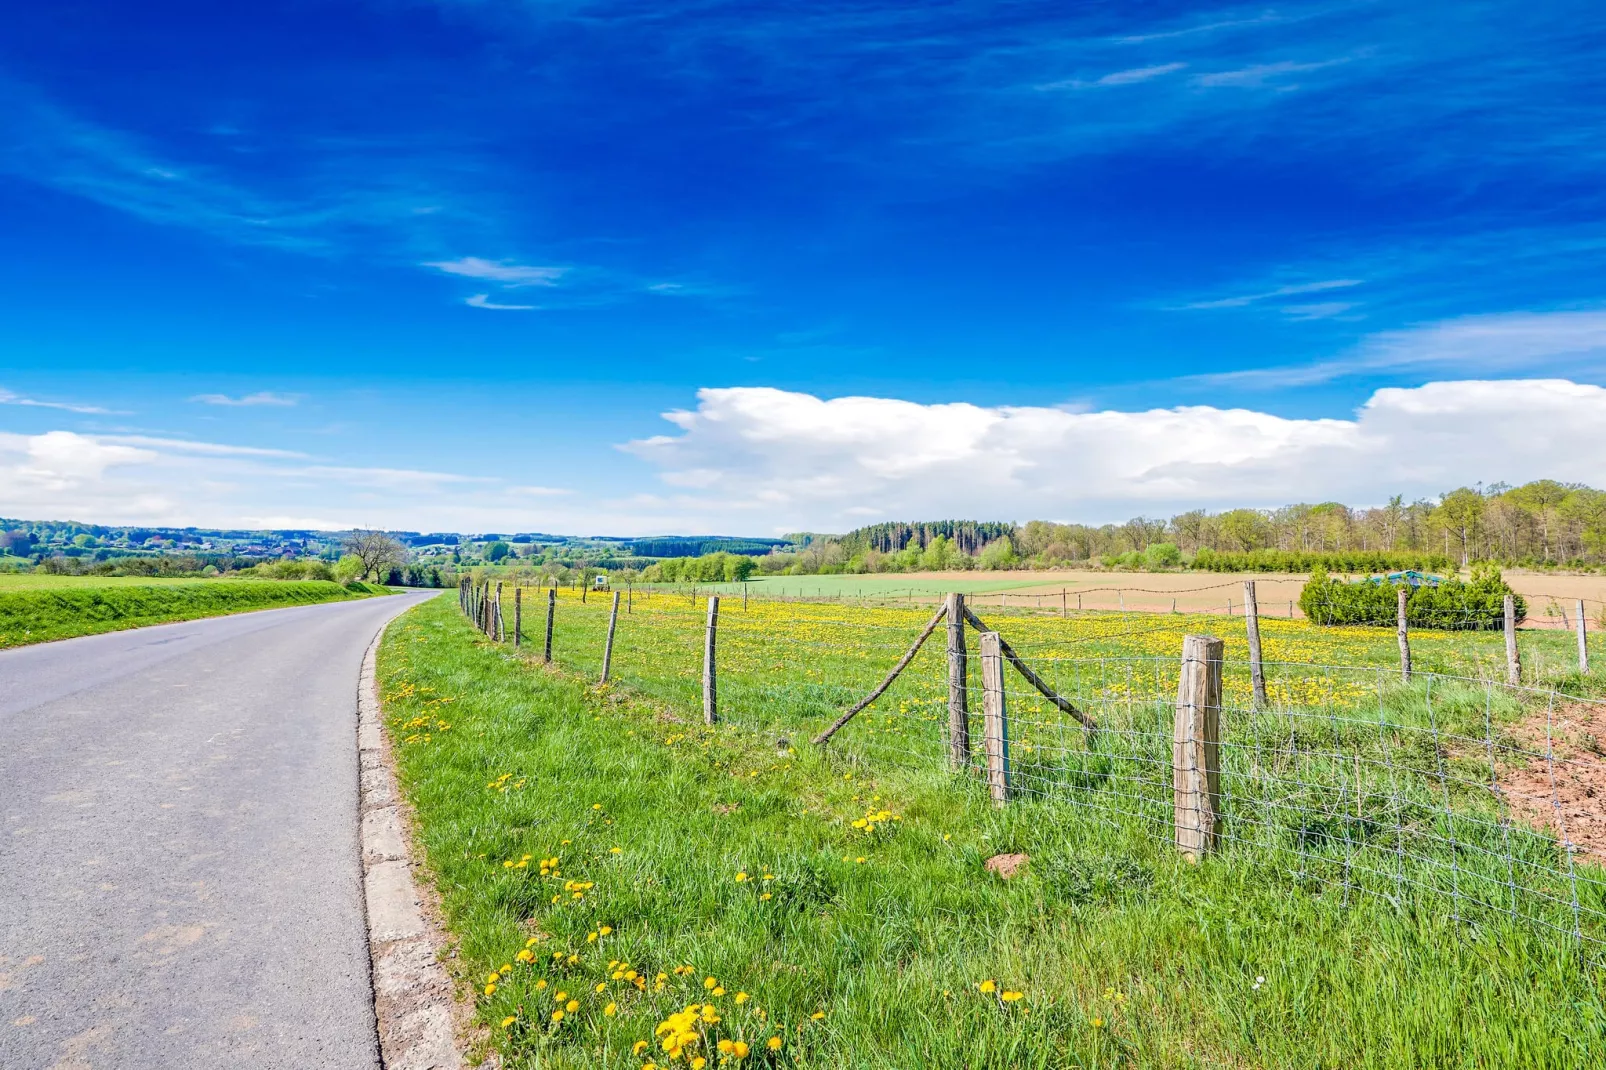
(1131,76)
(756,457)
(1260,74)
(1491,344)
(1243,300)
(261,397)
(484,301)
(7,397)
(506,272)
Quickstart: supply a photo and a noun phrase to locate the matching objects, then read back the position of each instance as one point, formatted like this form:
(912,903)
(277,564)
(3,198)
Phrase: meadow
(733,893)
(62,607)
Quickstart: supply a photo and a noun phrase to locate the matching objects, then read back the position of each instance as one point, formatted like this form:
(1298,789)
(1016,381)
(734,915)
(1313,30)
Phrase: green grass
(43,612)
(1126,955)
(29,581)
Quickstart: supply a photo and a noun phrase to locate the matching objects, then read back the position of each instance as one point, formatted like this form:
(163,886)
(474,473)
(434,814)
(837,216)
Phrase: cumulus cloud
(787,460)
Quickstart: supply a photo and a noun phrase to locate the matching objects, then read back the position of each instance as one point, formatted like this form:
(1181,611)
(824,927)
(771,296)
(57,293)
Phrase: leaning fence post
(518,616)
(1257,673)
(500,634)
(607,649)
(1405,637)
(1513,656)
(995,718)
(1196,748)
(551,609)
(710,682)
(958,679)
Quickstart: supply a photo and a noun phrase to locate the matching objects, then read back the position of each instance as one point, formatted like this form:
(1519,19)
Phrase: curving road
(180,884)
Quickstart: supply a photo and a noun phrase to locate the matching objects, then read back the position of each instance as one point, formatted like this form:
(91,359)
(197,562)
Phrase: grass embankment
(705,866)
(38,614)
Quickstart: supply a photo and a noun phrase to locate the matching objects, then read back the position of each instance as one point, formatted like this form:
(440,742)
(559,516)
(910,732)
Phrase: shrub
(1478,604)
(1208,560)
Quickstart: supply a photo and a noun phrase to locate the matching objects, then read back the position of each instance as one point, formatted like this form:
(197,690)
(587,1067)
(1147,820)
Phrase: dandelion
(540,984)
(606,930)
(766,895)
(740,877)
(719,990)
(638,1047)
(557,1015)
(1097,1023)
(615,850)
(988,987)
(739,1049)
(709,982)
(611,1009)
(1011,997)
(817,1016)
(490,990)
(602,986)
(741,997)
(773,1043)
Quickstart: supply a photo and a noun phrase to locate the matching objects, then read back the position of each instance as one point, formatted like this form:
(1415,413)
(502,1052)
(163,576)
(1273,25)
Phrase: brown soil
(1568,796)
(1006,866)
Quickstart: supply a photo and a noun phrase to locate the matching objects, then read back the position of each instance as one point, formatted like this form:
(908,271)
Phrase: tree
(496,551)
(1542,496)
(376,551)
(1587,508)
(1459,511)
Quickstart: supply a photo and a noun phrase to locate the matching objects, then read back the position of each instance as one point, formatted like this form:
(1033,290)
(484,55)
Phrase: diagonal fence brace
(903,662)
(1065,705)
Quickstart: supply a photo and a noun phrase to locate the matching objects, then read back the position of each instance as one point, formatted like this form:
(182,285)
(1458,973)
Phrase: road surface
(180,881)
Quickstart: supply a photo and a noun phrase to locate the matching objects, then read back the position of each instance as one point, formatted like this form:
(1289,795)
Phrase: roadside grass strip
(630,888)
(38,615)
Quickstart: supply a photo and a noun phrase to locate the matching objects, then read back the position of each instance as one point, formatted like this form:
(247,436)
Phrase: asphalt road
(180,882)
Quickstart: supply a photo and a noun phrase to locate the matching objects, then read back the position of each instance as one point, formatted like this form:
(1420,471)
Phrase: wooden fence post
(995,718)
(710,676)
(630,598)
(1064,611)
(958,680)
(1257,672)
(1403,628)
(500,634)
(607,649)
(1196,748)
(1583,641)
(518,617)
(551,610)
(1513,656)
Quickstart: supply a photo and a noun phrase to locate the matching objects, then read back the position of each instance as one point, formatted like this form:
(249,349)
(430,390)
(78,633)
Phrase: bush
(348,568)
(1162,555)
(1208,560)
(1476,605)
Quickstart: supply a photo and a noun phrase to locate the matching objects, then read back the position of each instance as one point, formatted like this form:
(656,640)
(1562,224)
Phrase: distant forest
(1539,523)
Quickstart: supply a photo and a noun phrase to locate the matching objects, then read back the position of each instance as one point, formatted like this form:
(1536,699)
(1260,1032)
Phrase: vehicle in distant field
(600,583)
(1410,578)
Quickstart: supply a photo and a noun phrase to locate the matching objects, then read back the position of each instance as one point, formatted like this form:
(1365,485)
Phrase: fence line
(1431,790)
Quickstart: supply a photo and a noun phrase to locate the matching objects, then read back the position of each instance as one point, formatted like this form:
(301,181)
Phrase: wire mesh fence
(1453,794)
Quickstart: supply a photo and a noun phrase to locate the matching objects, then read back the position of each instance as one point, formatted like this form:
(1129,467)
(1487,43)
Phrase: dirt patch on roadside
(1566,797)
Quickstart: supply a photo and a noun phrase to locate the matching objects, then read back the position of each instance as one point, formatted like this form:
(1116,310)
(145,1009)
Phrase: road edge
(417,1012)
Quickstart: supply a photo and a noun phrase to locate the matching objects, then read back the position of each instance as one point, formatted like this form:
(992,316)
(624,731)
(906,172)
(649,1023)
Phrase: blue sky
(449,264)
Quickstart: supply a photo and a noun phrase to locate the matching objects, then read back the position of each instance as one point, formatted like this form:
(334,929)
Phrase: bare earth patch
(1567,796)
(1006,866)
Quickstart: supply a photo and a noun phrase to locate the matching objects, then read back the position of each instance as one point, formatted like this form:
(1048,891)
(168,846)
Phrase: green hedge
(1478,604)
(37,615)
(1302,561)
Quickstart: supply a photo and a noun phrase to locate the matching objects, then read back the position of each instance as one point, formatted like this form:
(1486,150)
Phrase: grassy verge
(591,843)
(38,615)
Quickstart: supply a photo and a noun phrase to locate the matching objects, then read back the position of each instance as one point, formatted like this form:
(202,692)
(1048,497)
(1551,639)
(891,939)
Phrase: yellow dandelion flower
(606,930)
(773,1043)
(739,1049)
(557,1016)
(509,1020)
(1011,997)
(988,987)
(638,1047)
(742,997)
(611,1009)
(572,1006)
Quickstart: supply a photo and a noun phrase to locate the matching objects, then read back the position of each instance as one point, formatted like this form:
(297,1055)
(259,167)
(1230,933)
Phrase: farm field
(1152,592)
(28,581)
(599,841)
(42,612)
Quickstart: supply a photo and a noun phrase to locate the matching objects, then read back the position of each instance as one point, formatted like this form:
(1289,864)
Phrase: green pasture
(600,842)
